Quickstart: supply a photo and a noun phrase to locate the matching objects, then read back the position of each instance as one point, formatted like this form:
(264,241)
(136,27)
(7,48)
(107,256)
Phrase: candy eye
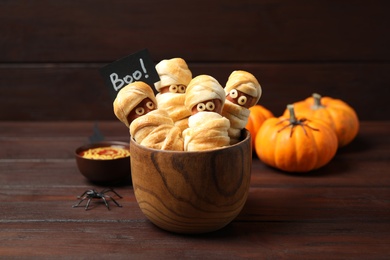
(210,106)
(201,107)
(150,105)
(140,111)
(182,89)
(233,93)
(242,100)
(173,88)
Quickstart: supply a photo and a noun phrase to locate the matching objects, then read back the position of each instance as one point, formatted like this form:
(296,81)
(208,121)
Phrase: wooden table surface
(341,211)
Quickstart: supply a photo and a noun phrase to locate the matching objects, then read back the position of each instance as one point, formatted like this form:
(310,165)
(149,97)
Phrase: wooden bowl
(192,192)
(113,171)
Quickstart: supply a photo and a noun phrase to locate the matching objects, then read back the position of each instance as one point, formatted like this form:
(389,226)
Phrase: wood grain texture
(244,31)
(63,92)
(50,52)
(338,212)
(191,192)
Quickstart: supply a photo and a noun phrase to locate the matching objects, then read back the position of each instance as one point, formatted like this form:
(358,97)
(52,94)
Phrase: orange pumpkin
(335,112)
(258,114)
(295,144)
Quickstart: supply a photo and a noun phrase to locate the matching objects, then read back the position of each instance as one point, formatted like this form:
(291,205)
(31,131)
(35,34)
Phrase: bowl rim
(244,133)
(101,144)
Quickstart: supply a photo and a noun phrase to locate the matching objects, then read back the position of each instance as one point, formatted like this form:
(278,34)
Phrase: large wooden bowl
(192,192)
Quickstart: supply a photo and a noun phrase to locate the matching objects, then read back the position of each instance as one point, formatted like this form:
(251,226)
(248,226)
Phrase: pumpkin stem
(317,101)
(295,122)
(293,118)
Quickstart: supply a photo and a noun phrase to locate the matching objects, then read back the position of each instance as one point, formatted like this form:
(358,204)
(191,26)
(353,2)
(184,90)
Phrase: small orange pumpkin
(258,114)
(295,145)
(335,112)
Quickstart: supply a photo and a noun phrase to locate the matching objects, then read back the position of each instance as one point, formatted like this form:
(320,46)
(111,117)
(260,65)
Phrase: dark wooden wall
(50,51)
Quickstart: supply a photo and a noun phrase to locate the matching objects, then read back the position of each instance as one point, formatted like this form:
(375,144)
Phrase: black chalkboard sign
(138,66)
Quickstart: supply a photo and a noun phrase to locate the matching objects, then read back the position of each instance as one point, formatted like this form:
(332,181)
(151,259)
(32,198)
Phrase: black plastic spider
(293,123)
(93,194)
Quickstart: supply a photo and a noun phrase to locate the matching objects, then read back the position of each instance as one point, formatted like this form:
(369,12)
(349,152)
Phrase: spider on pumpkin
(93,194)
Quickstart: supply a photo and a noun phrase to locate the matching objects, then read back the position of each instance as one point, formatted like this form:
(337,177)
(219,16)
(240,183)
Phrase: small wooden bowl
(192,192)
(112,171)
